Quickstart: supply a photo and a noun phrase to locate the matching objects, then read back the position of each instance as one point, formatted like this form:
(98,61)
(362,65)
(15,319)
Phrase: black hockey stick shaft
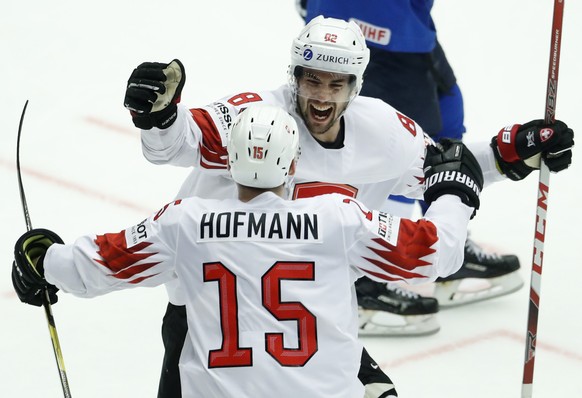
(542,207)
(45,299)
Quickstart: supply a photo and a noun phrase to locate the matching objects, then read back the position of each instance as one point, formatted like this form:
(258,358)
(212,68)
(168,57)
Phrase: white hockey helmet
(330,45)
(263,141)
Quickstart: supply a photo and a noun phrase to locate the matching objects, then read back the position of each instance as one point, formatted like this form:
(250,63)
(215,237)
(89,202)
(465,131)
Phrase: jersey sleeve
(388,248)
(412,180)
(410,184)
(141,255)
(198,136)
(484,155)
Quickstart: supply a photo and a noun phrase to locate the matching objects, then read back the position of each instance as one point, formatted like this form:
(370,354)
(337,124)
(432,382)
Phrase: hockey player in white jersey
(268,283)
(353,145)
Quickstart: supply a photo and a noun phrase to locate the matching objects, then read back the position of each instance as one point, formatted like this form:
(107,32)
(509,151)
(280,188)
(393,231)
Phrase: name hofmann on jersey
(243,225)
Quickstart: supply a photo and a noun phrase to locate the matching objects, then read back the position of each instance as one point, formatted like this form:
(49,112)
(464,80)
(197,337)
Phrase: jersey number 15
(231,354)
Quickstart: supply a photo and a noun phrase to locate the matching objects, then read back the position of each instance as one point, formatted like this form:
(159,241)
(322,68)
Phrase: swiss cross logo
(408,123)
(546,134)
(330,37)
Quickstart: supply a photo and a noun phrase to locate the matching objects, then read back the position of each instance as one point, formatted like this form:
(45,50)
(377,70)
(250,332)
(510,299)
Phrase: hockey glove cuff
(518,148)
(27,268)
(153,92)
(450,168)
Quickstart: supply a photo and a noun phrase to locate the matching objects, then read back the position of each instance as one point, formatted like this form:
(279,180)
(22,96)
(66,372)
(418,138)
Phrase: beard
(319,117)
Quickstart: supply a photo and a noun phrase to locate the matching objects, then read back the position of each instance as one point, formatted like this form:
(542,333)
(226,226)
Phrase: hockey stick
(542,207)
(45,300)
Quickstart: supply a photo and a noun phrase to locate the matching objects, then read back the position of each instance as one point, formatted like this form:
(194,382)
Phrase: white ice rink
(84,172)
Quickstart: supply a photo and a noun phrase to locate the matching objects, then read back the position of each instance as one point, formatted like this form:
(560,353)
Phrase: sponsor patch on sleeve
(136,234)
(388,227)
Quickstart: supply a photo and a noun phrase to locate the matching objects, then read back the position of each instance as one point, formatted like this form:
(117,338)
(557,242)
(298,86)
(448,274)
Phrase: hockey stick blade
(542,207)
(20,185)
(45,299)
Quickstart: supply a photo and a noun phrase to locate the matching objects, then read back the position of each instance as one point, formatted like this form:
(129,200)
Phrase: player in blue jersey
(409,70)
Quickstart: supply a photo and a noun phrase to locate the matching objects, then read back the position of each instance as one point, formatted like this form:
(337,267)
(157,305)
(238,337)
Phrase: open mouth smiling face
(320,112)
(322,97)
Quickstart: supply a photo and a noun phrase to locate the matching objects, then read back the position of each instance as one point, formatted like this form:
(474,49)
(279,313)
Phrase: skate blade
(379,323)
(453,294)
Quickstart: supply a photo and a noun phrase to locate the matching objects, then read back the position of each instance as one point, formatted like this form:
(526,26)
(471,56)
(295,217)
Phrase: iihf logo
(307,54)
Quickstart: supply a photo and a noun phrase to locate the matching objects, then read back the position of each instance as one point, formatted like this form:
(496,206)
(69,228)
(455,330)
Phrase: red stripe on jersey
(415,241)
(211,156)
(211,166)
(213,153)
(382,276)
(419,177)
(316,188)
(140,279)
(394,270)
(121,260)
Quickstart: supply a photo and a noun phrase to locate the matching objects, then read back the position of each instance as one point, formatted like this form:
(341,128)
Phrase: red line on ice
(479,339)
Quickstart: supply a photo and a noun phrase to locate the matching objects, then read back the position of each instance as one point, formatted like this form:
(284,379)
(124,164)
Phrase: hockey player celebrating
(299,262)
(408,69)
(357,146)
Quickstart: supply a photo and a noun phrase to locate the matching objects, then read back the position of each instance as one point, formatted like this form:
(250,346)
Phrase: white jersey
(269,284)
(382,155)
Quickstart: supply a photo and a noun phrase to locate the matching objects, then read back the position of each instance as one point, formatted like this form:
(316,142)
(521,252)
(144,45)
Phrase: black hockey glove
(153,90)
(518,148)
(27,268)
(450,168)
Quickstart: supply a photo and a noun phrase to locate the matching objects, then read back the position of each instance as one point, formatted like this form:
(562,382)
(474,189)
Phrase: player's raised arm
(399,249)
(153,92)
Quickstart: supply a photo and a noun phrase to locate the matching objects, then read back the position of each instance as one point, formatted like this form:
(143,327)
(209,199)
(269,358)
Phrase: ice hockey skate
(482,276)
(388,310)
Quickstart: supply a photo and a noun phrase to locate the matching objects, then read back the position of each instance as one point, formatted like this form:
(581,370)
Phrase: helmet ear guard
(262,144)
